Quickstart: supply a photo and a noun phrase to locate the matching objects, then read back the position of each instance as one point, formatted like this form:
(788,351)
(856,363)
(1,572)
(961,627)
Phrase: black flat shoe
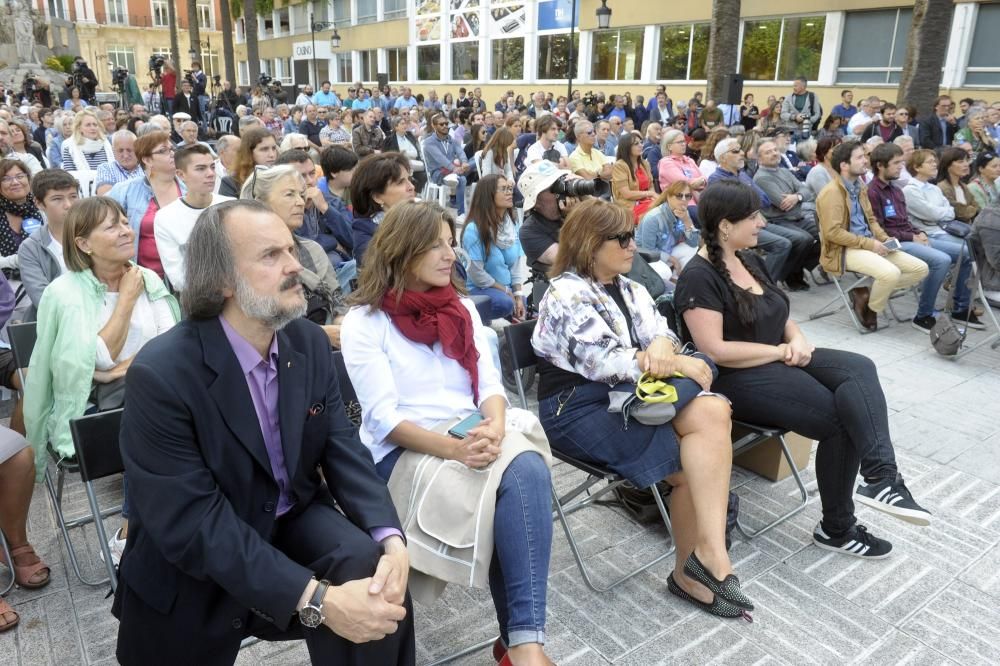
(718,607)
(729,588)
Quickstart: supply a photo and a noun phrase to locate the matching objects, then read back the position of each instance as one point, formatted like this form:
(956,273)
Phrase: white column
(648,72)
(832,35)
(963,27)
(530,55)
(583,57)
(81,13)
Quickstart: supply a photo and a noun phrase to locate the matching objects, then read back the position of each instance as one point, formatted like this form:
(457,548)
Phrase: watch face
(310,617)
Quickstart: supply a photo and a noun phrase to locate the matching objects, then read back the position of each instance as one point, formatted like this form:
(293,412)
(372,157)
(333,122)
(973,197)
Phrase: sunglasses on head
(624,239)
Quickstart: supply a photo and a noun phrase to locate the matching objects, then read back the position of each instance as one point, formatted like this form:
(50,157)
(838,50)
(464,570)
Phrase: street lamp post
(314,27)
(603,21)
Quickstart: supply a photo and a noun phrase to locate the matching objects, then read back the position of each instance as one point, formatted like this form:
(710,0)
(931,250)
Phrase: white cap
(537,178)
(180,115)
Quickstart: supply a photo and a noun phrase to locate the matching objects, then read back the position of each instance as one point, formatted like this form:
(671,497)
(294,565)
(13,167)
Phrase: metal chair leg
(64,529)
(9,559)
(465,651)
(102,536)
(752,534)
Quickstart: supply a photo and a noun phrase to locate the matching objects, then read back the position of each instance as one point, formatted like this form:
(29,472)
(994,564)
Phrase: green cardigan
(61,371)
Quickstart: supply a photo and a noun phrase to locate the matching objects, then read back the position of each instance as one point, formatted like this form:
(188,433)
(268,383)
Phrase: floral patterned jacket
(580,328)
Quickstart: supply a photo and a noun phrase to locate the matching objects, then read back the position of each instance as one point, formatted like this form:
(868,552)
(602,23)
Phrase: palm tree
(194,30)
(175,52)
(925,53)
(228,55)
(250,32)
(724,32)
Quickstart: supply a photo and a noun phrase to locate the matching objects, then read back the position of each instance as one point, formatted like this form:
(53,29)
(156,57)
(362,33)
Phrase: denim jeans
(942,252)
(801,247)
(837,400)
(346,272)
(522,534)
(459,191)
(501,303)
(776,249)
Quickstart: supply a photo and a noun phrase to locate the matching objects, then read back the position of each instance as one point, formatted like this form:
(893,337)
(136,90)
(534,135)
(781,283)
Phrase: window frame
(524,43)
(391,55)
(658,38)
(116,12)
(538,36)
(200,8)
(889,70)
(594,34)
(434,44)
(980,69)
(122,53)
(779,48)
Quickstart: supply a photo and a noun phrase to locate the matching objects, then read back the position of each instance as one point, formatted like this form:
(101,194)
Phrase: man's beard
(268,309)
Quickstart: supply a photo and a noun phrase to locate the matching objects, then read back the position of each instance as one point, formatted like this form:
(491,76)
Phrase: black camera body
(263,79)
(119,76)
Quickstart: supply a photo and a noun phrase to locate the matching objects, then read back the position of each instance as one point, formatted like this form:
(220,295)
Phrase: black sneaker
(893,497)
(857,542)
(924,324)
(972,322)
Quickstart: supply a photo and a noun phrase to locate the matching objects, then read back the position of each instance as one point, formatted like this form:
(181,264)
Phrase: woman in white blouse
(420,363)
(92,321)
(404,141)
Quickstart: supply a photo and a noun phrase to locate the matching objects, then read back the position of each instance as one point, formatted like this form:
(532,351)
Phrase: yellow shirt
(579,160)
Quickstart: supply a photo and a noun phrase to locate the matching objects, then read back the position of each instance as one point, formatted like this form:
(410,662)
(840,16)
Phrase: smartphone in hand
(461,429)
(892,244)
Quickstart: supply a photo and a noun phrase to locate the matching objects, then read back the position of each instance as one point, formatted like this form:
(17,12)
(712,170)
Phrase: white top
(859,118)
(399,380)
(537,150)
(707,168)
(149,319)
(55,247)
(171,227)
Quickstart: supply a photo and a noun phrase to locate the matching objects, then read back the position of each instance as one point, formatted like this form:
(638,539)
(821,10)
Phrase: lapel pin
(316,409)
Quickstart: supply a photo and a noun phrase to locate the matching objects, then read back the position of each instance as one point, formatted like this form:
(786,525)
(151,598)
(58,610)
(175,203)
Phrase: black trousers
(837,400)
(322,539)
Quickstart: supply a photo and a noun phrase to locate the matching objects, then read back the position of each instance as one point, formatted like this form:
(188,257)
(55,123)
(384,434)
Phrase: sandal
(5,608)
(729,588)
(719,607)
(23,573)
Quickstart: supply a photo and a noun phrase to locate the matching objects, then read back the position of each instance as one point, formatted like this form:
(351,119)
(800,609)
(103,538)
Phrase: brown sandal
(5,608)
(24,573)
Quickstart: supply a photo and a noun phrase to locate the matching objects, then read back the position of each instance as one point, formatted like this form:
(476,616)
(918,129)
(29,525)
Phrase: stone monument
(19,50)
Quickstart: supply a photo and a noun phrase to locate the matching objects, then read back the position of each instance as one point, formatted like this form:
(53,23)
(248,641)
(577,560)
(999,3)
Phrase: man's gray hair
(902,138)
(209,265)
(806,150)
(286,143)
(249,121)
(724,147)
(650,127)
(222,143)
(120,135)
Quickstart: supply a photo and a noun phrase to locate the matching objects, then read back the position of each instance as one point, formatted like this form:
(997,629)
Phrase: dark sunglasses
(624,239)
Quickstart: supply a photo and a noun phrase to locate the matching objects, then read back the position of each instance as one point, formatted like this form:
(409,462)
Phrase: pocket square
(317,409)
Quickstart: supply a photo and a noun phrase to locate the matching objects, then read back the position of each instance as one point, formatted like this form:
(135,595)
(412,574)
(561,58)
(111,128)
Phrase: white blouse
(398,380)
(149,319)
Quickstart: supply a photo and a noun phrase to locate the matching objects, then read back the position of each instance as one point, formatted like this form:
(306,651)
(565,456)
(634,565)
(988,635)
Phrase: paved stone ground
(935,601)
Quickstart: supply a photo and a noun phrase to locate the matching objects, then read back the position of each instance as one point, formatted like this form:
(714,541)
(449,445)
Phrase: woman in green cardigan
(91,322)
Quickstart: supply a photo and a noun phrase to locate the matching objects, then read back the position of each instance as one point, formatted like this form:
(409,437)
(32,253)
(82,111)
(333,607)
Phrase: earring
(725,236)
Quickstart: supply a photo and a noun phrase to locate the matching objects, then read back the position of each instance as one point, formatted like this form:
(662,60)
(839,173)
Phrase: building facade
(525,45)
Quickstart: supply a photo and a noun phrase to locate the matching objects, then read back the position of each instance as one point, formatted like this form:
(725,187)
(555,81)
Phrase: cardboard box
(767,459)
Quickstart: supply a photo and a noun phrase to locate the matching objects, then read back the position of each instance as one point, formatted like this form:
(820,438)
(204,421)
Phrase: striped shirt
(112,173)
(94,160)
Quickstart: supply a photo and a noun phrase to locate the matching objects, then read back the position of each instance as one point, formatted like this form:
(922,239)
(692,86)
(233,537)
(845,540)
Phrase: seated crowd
(171,268)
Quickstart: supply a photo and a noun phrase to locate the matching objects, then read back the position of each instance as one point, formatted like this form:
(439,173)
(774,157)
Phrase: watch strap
(316,601)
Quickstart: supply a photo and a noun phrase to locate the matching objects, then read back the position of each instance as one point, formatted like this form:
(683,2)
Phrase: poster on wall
(557,14)
(507,21)
(429,29)
(464,25)
(424,7)
(461,5)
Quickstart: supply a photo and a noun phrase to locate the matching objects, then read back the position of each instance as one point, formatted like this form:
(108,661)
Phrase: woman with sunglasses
(258,148)
(675,165)
(143,197)
(497,266)
(418,357)
(668,229)
(598,330)
(772,374)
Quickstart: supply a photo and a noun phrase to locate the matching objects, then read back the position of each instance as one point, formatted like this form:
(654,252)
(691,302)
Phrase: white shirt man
(865,116)
(173,223)
(548,141)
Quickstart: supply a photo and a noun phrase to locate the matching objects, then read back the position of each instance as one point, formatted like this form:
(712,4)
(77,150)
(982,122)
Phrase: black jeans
(836,400)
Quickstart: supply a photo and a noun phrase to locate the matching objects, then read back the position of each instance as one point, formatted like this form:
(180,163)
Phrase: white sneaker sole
(921,518)
(835,549)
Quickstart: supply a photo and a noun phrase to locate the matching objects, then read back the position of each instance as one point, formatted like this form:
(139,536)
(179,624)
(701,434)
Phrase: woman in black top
(774,376)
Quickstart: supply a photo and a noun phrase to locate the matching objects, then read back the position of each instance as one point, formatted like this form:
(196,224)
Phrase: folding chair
(845,302)
(10,563)
(95,438)
(353,409)
(22,343)
(756,434)
(975,248)
(523,356)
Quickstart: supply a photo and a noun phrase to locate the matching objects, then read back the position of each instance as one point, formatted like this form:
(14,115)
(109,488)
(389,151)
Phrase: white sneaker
(116,546)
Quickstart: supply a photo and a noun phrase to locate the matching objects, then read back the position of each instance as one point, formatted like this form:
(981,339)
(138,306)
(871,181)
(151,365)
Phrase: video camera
(156,64)
(29,86)
(263,79)
(119,76)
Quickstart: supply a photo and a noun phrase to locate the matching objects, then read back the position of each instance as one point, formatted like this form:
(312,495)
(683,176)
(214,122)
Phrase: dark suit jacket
(192,109)
(199,560)
(930,133)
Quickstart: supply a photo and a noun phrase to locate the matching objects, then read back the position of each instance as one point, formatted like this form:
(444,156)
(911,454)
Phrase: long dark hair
(483,211)
(501,140)
(733,201)
(625,153)
(948,157)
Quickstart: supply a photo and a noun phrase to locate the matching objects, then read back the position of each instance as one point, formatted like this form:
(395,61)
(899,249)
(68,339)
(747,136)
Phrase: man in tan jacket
(852,240)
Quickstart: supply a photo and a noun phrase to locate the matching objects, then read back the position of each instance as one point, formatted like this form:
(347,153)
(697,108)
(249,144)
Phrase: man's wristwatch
(311,615)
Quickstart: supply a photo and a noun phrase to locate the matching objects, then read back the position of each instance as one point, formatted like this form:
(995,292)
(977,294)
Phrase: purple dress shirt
(262,380)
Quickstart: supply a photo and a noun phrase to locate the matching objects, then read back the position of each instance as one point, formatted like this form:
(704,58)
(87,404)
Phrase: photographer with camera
(84,79)
(187,102)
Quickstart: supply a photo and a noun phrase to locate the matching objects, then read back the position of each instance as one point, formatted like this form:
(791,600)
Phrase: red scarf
(433,315)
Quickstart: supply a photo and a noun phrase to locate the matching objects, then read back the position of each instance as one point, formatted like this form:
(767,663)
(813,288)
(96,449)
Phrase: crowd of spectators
(257,215)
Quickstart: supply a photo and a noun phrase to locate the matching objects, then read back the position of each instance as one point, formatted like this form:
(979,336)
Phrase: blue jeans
(346,272)
(939,256)
(502,303)
(459,193)
(776,249)
(522,534)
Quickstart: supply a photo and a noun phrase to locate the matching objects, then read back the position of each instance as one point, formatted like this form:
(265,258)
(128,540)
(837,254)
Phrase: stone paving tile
(982,460)
(898,648)
(700,639)
(984,574)
(960,622)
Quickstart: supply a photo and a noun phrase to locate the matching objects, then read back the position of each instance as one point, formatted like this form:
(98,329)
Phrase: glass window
(760,49)
(553,55)
(873,46)
(782,49)
(117,12)
(205,15)
(984,66)
(465,61)
(617,55)
(367,11)
(160,14)
(345,68)
(507,59)
(429,63)
(283,26)
(342,12)
(244,72)
(394,9)
(210,63)
(397,63)
(369,65)
(122,56)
